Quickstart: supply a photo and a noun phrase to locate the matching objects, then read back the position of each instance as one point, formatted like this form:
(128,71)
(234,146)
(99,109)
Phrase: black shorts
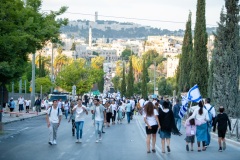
(153,130)
(27,107)
(222,133)
(11,109)
(109,116)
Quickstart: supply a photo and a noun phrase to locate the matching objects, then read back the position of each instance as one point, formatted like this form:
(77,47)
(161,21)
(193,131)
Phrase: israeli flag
(194,94)
(184,107)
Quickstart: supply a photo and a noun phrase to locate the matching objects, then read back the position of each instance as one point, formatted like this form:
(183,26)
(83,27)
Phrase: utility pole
(20,86)
(25,88)
(52,69)
(33,80)
(12,88)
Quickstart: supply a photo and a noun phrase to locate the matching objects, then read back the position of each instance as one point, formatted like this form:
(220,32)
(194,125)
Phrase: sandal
(148,152)
(153,150)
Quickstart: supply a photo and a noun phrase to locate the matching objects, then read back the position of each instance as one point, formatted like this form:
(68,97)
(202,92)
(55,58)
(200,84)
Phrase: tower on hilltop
(96,16)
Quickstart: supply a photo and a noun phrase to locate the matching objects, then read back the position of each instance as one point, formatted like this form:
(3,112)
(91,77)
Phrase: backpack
(51,111)
(210,114)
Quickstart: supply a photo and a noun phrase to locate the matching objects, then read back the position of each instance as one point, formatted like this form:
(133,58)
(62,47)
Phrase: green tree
(130,80)
(23,30)
(73,47)
(225,60)
(126,54)
(164,88)
(150,56)
(199,68)
(183,77)
(116,83)
(77,74)
(46,84)
(144,81)
(123,82)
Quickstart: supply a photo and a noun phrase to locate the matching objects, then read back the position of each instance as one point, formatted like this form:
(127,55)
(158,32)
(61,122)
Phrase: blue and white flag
(184,107)
(194,94)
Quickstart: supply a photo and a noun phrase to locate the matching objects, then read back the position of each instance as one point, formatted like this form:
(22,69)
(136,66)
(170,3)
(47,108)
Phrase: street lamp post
(52,69)
(33,80)
(154,78)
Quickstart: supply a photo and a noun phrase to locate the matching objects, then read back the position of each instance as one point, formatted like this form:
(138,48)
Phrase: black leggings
(73,126)
(114,116)
(109,116)
(203,143)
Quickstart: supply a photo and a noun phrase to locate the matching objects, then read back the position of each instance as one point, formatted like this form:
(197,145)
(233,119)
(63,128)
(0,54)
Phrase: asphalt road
(28,140)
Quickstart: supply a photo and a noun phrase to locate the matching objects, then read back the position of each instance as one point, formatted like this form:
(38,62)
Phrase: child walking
(221,121)
(190,126)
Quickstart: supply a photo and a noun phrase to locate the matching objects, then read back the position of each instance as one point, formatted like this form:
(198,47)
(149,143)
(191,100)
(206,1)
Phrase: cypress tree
(226,58)
(183,77)
(130,79)
(199,69)
(144,81)
(123,83)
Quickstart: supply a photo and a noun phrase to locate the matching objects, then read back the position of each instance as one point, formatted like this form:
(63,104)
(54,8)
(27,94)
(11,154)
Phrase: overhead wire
(132,18)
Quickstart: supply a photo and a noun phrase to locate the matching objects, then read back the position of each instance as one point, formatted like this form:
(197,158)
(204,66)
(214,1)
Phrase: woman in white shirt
(80,112)
(152,125)
(200,114)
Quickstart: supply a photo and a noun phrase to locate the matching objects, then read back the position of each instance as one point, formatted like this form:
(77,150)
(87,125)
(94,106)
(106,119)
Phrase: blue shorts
(164,134)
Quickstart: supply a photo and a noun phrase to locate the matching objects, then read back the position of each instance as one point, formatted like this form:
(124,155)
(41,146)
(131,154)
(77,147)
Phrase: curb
(23,118)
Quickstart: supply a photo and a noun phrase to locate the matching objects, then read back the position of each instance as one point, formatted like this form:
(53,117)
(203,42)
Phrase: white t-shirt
(141,102)
(54,114)
(208,106)
(97,114)
(114,107)
(66,106)
(80,113)
(151,119)
(27,102)
(197,116)
(121,108)
(20,100)
(59,104)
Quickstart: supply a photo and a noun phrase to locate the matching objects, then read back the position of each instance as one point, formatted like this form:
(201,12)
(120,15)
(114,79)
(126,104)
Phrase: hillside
(113,29)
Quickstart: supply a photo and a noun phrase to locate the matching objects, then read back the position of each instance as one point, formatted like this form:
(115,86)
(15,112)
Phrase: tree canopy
(24,30)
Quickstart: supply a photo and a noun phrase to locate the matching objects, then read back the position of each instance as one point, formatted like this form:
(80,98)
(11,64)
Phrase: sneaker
(168,149)
(54,142)
(100,139)
(187,147)
(97,141)
(224,145)
(220,149)
(77,141)
(80,140)
(50,142)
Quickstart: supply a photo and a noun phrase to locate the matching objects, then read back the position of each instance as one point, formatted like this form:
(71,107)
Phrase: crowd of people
(160,116)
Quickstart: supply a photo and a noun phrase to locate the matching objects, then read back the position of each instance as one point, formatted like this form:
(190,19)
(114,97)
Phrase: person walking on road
(212,115)
(38,104)
(66,109)
(167,123)
(150,115)
(79,119)
(108,107)
(176,109)
(128,109)
(53,117)
(114,111)
(190,126)
(120,112)
(99,116)
(72,117)
(201,114)
(11,105)
(221,121)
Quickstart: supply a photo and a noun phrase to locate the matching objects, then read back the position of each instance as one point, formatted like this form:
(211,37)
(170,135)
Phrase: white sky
(162,10)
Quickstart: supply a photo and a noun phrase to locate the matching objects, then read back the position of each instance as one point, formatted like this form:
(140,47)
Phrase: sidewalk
(16,116)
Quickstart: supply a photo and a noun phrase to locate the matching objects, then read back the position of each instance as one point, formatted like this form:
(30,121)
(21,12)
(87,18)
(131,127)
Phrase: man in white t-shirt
(20,103)
(212,111)
(99,113)
(53,117)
